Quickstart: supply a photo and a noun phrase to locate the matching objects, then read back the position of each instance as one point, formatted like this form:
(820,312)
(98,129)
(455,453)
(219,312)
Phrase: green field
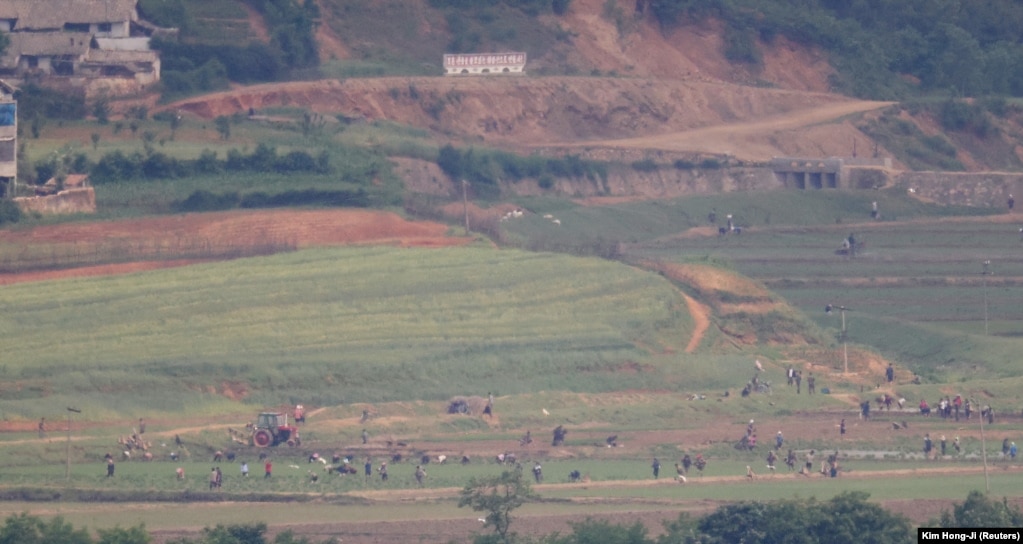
(341,326)
(542,322)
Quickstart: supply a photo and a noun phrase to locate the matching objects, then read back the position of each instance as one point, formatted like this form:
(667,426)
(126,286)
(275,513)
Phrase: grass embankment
(922,264)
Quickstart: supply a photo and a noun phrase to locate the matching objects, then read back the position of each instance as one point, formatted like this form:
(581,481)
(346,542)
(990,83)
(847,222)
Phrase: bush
(166,13)
(939,144)
(296,161)
(253,63)
(449,160)
(957,115)
(39,102)
(9,212)
(101,110)
(741,47)
(487,168)
(645,165)
(308,197)
(206,201)
(207,163)
(116,166)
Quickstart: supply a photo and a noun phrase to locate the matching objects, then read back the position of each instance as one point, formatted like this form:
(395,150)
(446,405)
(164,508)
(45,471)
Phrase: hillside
(635,86)
(527,114)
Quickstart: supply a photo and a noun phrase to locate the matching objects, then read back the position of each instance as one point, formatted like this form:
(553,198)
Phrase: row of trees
(530,7)
(970,48)
(485,169)
(27,529)
(191,65)
(120,166)
(847,517)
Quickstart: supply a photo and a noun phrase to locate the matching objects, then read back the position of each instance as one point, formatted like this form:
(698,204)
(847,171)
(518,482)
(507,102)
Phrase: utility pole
(845,347)
(67,470)
(986,273)
(465,205)
(983,451)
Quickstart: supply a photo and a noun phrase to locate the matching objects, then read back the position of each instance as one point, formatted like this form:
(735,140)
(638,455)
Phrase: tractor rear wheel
(262,438)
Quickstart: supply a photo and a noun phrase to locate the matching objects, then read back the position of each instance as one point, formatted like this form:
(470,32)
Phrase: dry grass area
(238,229)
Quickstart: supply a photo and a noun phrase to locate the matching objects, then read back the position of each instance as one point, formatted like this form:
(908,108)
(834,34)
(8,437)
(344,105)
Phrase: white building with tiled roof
(86,44)
(8,134)
(103,18)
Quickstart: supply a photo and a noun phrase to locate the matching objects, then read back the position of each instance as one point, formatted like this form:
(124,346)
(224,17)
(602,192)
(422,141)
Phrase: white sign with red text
(484,63)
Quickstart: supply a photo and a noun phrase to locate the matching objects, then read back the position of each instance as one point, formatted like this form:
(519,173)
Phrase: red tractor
(272,429)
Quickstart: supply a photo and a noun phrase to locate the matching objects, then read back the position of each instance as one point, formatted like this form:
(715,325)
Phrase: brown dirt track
(236,229)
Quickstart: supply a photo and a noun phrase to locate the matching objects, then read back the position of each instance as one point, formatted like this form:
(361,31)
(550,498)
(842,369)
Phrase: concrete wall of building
(117,30)
(81,200)
(982,189)
(865,178)
(98,87)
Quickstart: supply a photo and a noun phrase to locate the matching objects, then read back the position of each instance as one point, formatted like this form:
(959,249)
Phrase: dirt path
(256,23)
(746,140)
(701,322)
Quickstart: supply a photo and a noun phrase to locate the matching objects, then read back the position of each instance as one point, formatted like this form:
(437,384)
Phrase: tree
(497,496)
(847,517)
(450,161)
(101,110)
(223,124)
(592,531)
(117,535)
(979,511)
(26,529)
(560,7)
(175,123)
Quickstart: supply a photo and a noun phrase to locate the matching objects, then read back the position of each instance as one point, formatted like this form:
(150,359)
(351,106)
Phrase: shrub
(116,166)
(223,124)
(9,212)
(207,163)
(206,201)
(741,47)
(939,144)
(166,13)
(449,160)
(645,165)
(39,102)
(101,110)
(958,115)
(296,161)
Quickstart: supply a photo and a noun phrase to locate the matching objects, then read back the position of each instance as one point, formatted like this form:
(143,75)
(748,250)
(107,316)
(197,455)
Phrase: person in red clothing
(269,469)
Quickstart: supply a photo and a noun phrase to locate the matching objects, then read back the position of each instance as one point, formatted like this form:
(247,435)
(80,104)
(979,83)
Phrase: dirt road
(751,140)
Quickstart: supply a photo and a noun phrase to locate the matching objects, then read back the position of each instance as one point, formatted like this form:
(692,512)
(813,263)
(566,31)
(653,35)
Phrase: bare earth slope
(521,112)
(672,91)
